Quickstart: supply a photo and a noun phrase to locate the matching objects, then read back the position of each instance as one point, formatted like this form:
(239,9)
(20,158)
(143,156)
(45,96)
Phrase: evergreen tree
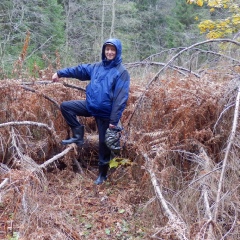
(79,27)
(44,21)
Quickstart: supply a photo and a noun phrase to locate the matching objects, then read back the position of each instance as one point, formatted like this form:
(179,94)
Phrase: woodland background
(77,29)
(177,176)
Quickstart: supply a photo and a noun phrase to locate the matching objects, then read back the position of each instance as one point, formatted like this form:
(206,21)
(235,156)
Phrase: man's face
(110,52)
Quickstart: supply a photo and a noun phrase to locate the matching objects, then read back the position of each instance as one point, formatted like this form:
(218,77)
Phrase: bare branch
(186,49)
(49,129)
(231,139)
(56,157)
(4,182)
(207,167)
(41,82)
(169,62)
(80,170)
(45,96)
(73,86)
(177,224)
(215,125)
(179,69)
(26,161)
(233,225)
(158,192)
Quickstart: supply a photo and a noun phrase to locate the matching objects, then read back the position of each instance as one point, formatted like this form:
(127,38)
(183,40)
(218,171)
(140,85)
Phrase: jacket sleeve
(120,97)
(81,72)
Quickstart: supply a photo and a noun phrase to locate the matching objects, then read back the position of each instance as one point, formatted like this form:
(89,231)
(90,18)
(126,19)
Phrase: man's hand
(55,77)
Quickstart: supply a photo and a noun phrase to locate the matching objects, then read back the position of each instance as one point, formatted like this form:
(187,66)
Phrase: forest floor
(174,137)
(68,205)
(113,210)
(59,202)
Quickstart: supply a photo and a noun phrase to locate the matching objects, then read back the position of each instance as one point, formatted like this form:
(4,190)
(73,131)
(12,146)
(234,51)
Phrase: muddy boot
(103,169)
(78,134)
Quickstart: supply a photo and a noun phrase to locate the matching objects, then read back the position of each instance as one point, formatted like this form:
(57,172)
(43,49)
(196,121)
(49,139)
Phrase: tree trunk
(113,19)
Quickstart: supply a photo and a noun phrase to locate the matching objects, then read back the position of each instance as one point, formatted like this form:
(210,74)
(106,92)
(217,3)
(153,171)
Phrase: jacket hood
(118,58)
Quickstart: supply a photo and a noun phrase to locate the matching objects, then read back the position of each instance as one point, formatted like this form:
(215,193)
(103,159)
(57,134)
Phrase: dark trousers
(71,109)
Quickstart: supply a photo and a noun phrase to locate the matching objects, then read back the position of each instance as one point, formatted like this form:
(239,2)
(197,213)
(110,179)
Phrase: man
(106,98)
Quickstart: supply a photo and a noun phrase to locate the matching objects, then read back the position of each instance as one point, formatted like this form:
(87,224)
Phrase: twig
(4,182)
(179,69)
(206,165)
(4,168)
(217,54)
(186,49)
(176,223)
(215,125)
(78,165)
(232,227)
(207,168)
(37,82)
(203,176)
(195,49)
(26,161)
(73,86)
(158,191)
(232,136)
(56,157)
(39,47)
(45,96)
(49,129)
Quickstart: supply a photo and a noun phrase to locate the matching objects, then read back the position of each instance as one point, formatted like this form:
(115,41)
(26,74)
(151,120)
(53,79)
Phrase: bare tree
(113,18)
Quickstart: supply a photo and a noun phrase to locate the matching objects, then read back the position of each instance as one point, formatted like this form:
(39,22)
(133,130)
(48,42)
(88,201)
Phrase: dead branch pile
(190,125)
(180,131)
(184,150)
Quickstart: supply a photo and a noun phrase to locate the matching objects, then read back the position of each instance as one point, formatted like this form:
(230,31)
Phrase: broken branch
(232,136)
(56,157)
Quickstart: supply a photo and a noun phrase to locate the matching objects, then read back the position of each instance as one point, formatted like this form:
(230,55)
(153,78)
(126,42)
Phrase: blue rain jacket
(108,89)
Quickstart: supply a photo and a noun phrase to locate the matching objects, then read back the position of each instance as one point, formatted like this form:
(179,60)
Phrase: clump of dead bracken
(180,143)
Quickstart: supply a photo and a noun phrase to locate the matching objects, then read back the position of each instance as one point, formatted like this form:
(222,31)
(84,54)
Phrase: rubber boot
(103,169)
(78,134)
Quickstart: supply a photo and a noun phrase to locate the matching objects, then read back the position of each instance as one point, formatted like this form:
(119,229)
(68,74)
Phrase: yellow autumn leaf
(219,28)
(213,3)
(200,3)
(214,35)
(236,19)
(115,162)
